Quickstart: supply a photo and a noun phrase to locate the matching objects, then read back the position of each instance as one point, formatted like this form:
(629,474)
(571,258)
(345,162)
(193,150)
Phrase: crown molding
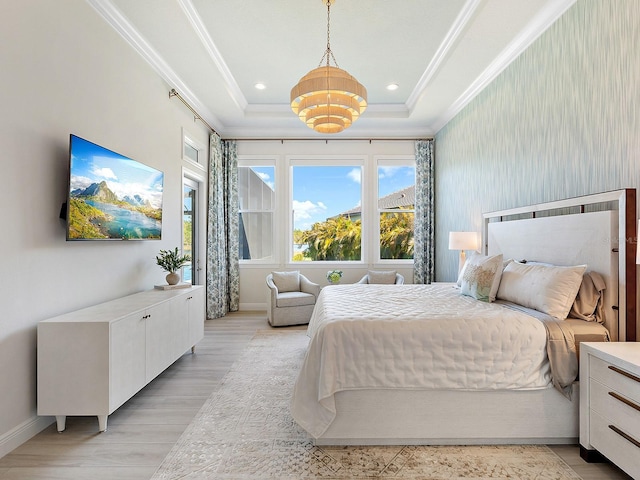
(352,133)
(459,25)
(538,25)
(203,34)
(121,24)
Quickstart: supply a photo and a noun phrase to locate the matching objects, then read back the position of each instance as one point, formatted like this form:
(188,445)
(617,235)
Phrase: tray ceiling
(440,53)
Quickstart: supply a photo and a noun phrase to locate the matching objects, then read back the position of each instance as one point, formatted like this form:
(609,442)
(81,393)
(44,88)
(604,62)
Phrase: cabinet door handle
(626,436)
(626,401)
(626,374)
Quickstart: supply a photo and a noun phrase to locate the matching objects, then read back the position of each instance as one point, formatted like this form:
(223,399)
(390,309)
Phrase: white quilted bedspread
(413,337)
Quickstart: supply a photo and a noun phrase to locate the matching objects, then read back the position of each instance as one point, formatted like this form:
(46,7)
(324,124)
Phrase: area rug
(244,431)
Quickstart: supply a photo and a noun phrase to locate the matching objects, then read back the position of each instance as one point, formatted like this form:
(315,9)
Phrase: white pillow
(480,277)
(548,289)
(385,277)
(287,281)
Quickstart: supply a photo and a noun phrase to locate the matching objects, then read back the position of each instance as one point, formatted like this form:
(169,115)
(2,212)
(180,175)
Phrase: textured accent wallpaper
(561,121)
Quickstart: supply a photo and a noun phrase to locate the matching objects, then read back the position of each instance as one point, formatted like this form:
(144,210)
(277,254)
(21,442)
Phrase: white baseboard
(253,307)
(23,432)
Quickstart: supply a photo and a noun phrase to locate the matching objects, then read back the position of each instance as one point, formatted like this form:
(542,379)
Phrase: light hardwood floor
(143,430)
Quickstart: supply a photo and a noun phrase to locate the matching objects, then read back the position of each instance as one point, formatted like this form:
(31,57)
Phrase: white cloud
(266,178)
(104,173)
(307,209)
(78,182)
(355,175)
(386,172)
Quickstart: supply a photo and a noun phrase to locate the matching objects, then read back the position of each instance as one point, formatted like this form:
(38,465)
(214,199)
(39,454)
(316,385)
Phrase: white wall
(64,70)
(253,289)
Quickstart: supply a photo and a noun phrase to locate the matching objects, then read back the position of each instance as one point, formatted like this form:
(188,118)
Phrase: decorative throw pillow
(386,277)
(287,281)
(548,289)
(481,277)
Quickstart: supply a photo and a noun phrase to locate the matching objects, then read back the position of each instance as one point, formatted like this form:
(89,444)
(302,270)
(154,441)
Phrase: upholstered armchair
(290,299)
(382,277)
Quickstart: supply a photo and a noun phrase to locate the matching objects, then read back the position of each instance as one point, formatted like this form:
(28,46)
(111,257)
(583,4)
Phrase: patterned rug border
(244,431)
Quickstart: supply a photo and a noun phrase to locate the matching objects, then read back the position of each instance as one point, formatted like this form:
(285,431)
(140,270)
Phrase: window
(189,229)
(338,207)
(193,150)
(257,202)
(396,210)
(327,211)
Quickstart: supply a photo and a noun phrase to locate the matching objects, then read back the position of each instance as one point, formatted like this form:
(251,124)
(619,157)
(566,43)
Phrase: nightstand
(610,403)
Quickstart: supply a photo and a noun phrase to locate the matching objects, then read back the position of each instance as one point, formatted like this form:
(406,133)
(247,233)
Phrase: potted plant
(171,261)
(334,276)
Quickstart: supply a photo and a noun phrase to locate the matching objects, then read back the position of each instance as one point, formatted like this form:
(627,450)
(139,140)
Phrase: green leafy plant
(171,260)
(334,276)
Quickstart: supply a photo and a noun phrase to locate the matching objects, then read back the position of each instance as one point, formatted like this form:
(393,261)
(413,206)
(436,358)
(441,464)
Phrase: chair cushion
(385,277)
(295,299)
(286,281)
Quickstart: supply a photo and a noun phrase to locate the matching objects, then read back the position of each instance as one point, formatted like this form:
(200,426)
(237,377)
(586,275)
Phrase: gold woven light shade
(328,99)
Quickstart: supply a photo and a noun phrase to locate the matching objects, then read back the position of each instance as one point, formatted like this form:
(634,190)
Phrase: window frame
(188,140)
(283,211)
(326,161)
(199,227)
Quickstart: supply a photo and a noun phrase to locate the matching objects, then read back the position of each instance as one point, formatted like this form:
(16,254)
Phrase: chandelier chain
(328,99)
(328,54)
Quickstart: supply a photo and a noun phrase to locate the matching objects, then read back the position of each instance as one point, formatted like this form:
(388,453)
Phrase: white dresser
(91,361)
(610,403)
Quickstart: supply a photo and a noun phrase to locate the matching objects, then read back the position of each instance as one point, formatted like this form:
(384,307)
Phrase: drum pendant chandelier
(328,99)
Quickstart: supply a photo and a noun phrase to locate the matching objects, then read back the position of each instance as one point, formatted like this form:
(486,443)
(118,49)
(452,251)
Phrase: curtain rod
(327,140)
(197,116)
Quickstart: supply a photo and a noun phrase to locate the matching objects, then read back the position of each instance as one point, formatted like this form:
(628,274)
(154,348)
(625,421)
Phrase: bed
(423,364)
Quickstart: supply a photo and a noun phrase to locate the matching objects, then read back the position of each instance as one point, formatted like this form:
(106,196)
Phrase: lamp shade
(463,241)
(328,99)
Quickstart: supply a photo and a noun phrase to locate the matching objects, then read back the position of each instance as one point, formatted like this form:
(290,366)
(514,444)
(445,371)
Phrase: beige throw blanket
(561,349)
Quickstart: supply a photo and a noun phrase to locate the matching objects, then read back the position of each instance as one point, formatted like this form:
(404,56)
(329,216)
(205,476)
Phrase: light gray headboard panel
(574,239)
(598,230)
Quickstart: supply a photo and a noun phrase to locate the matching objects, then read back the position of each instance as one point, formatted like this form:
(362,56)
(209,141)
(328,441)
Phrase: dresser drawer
(616,409)
(627,385)
(612,445)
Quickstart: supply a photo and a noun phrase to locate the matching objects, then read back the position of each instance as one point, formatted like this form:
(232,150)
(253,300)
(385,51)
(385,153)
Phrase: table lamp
(463,241)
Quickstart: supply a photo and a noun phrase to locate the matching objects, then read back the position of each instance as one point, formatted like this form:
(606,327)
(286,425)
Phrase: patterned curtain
(223,279)
(423,235)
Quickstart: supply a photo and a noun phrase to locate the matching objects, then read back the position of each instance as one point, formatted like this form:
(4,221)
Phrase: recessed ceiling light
(392,86)
(260,86)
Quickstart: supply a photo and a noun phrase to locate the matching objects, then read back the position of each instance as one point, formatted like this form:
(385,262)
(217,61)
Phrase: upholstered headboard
(596,230)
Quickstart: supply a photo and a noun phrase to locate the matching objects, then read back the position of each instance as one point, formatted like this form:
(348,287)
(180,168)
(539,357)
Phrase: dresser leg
(102,422)
(592,456)
(61,423)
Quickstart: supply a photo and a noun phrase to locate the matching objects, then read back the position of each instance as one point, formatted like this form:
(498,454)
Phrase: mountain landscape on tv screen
(96,212)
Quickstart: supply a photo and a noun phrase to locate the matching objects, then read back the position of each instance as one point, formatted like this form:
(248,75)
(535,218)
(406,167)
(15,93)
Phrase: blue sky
(91,163)
(322,192)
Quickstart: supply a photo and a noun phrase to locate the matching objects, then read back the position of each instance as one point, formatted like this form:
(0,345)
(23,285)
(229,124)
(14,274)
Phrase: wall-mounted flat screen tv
(111,197)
